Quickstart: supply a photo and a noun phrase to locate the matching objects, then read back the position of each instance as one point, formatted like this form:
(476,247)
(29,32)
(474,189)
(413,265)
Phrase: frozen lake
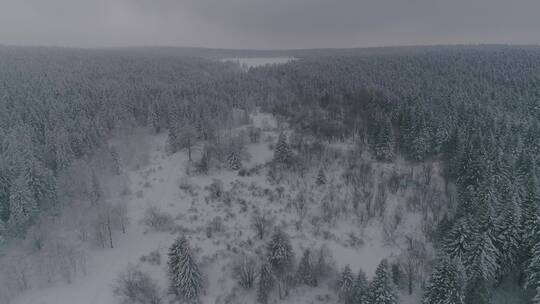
(247,63)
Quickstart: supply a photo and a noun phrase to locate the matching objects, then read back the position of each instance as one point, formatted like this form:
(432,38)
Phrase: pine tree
(360,287)
(266,283)
(481,259)
(383,143)
(41,182)
(116,162)
(382,290)
(530,226)
(234,161)
(305,273)
(532,271)
(345,284)
(447,283)
(96,194)
(321,178)
(184,275)
(22,205)
(282,151)
(508,233)
(280,254)
(458,240)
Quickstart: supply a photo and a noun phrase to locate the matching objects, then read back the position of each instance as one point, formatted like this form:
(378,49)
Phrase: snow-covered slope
(165,185)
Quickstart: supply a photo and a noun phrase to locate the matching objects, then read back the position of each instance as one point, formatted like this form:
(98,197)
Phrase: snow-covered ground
(158,184)
(247,63)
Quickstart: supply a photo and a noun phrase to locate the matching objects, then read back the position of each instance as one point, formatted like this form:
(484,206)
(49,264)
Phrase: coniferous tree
(530,226)
(22,205)
(280,254)
(116,162)
(532,271)
(266,283)
(447,283)
(184,274)
(345,285)
(360,287)
(280,257)
(321,178)
(96,193)
(382,290)
(383,142)
(282,151)
(234,161)
(305,273)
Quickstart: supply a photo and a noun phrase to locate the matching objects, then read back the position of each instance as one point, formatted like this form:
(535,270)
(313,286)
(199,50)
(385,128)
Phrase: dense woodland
(474,109)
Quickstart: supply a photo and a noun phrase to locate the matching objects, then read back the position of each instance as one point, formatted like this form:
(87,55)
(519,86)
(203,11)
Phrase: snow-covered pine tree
(234,161)
(321,178)
(383,142)
(508,232)
(265,284)
(116,162)
(360,286)
(532,271)
(305,273)
(447,283)
(458,239)
(530,225)
(96,193)
(345,285)
(184,274)
(282,151)
(382,289)
(5,184)
(41,182)
(280,253)
(22,205)
(480,260)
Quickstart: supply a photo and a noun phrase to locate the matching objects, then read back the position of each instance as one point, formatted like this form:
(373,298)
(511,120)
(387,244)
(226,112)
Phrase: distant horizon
(269,49)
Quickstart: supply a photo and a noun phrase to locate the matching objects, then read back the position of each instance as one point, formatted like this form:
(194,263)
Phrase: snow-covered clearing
(164,184)
(247,63)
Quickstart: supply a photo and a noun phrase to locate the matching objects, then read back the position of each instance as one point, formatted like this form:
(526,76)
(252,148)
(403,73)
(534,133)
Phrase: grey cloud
(267,23)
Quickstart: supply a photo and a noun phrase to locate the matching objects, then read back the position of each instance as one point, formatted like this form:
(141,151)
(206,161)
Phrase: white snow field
(158,184)
(250,62)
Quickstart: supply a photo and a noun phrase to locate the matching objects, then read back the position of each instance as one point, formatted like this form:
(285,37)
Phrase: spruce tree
(282,151)
(96,194)
(360,287)
(266,283)
(184,275)
(22,205)
(383,142)
(447,283)
(116,162)
(382,289)
(305,273)
(532,271)
(530,226)
(321,178)
(280,254)
(234,161)
(345,285)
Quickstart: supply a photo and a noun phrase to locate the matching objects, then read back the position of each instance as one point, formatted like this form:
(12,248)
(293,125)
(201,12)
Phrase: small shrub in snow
(158,220)
(153,258)
(245,271)
(215,189)
(262,224)
(135,287)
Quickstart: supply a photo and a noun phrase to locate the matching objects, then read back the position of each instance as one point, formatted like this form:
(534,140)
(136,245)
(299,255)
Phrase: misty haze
(287,151)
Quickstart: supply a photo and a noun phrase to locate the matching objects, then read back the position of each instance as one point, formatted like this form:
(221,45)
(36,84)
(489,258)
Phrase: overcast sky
(266,24)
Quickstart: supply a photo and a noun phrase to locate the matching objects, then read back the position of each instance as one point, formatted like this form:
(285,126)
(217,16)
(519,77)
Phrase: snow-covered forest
(357,176)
